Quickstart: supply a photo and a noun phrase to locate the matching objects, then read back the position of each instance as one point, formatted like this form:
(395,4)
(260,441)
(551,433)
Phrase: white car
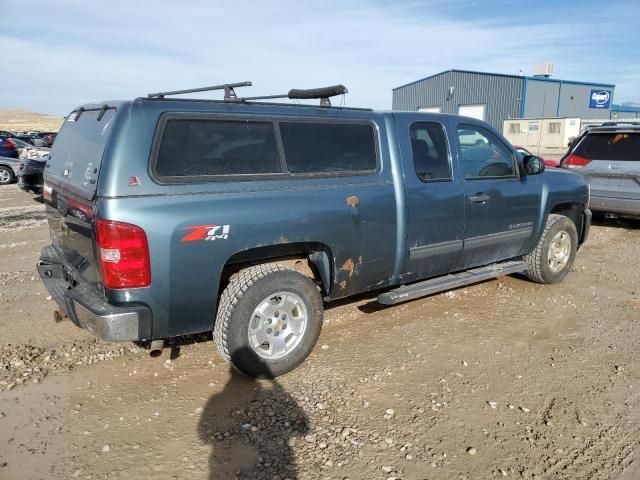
(26,150)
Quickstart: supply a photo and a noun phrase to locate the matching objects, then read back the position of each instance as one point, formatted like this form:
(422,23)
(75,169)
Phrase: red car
(524,152)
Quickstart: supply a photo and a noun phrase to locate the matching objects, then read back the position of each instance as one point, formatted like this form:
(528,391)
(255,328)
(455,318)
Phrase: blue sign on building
(600,98)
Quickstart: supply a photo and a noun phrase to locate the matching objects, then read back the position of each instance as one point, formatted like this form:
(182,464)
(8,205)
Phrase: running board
(448,282)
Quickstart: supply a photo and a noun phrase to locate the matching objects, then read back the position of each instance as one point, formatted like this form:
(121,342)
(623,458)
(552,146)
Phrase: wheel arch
(575,211)
(313,259)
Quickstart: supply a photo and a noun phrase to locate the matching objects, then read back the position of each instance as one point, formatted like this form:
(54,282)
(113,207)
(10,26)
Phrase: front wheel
(269,319)
(555,252)
(6,175)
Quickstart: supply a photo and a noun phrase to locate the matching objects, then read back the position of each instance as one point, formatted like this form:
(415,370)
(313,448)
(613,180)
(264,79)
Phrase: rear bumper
(627,206)
(88,309)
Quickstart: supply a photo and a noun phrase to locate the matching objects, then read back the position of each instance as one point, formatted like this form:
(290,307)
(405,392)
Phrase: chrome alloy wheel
(5,176)
(559,251)
(277,325)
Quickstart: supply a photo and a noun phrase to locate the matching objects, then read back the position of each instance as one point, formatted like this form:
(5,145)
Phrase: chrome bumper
(88,309)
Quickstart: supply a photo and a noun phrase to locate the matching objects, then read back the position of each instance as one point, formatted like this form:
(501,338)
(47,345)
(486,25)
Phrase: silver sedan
(8,170)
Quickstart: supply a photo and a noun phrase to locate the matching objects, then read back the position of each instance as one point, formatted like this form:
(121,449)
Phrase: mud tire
(236,306)
(539,269)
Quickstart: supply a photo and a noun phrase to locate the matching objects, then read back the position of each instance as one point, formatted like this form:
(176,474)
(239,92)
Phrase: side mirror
(533,165)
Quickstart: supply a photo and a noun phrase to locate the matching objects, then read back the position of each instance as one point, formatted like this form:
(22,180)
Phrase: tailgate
(71,178)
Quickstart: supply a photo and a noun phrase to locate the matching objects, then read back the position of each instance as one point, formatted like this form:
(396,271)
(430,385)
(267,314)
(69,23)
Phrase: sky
(58,55)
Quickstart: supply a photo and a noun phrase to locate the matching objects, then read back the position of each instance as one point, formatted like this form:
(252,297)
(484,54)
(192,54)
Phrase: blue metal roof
(541,79)
(624,108)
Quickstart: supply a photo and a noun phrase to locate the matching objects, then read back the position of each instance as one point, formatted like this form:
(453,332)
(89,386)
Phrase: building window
(554,127)
(429,109)
(514,128)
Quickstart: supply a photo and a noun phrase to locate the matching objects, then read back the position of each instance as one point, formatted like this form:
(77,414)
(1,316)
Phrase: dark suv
(174,216)
(608,157)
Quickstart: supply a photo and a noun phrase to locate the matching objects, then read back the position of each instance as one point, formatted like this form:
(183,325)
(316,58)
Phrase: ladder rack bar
(225,87)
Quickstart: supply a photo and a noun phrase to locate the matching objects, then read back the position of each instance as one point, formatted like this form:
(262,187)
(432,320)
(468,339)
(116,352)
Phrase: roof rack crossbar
(229,92)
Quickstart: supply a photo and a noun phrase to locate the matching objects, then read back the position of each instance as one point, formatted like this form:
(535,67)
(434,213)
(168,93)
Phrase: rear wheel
(268,321)
(6,175)
(555,253)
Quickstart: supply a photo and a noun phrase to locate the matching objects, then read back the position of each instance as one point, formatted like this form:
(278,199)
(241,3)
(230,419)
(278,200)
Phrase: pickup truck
(172,216)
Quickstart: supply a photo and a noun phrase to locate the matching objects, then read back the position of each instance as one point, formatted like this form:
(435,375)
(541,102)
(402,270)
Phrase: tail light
(124,254)
(575,161)
(11,143)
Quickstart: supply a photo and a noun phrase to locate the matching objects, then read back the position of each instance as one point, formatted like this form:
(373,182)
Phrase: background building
(626,111)
(495,97)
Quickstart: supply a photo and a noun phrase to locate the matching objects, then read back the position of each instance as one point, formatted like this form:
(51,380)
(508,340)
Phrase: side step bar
(447,282)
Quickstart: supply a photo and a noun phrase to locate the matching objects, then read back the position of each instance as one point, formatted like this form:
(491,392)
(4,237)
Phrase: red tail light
(575,161)
(11,143)
(124,254)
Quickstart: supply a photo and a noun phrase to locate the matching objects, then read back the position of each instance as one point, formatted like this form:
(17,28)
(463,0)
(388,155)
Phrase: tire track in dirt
(14,219)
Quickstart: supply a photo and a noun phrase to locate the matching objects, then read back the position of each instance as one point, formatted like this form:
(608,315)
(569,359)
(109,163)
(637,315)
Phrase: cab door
(501,206)
(434,197)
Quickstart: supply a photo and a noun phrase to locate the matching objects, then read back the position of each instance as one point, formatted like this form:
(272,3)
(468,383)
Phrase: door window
(483,154)
(430,151)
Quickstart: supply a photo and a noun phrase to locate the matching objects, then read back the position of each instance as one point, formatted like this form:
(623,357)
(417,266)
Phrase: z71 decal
(206,233)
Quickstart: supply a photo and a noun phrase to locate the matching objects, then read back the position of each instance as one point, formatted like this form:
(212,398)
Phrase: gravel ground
(502,379)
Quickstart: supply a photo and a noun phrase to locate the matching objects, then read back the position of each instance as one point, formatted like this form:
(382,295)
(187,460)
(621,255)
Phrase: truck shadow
(616,222)
(249,426)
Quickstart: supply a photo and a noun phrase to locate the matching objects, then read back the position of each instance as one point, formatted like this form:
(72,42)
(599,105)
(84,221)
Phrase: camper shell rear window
(222,148)
(77,153)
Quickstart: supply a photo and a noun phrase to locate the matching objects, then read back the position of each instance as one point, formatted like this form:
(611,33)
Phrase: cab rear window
(618,146)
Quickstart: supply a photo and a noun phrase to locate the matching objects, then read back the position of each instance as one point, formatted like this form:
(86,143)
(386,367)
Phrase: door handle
(479,198)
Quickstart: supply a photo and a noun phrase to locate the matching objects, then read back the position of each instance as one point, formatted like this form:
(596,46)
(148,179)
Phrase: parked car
(25,138)
(608,157)
(470,138)
(30,174)
(8,147)
(8,170)
(26,150)
(47,138)
(32,138)
(524,152)
(241,217)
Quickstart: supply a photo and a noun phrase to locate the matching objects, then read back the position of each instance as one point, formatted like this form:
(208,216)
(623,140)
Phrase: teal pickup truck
(171,216)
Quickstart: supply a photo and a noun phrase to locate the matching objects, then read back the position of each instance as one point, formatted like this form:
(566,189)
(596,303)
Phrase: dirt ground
(503,379)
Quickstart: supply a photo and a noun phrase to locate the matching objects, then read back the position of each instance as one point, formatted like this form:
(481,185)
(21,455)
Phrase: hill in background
(20,120)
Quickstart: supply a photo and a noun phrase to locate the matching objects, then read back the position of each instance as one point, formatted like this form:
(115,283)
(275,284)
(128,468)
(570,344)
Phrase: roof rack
(614,124)
(324,93)
(228,88)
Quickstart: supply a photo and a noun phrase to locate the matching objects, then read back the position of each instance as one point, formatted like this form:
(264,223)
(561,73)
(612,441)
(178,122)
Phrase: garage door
(429,109)
(473,111)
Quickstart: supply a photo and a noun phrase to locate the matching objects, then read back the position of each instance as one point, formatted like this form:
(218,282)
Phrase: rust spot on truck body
(349,267)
